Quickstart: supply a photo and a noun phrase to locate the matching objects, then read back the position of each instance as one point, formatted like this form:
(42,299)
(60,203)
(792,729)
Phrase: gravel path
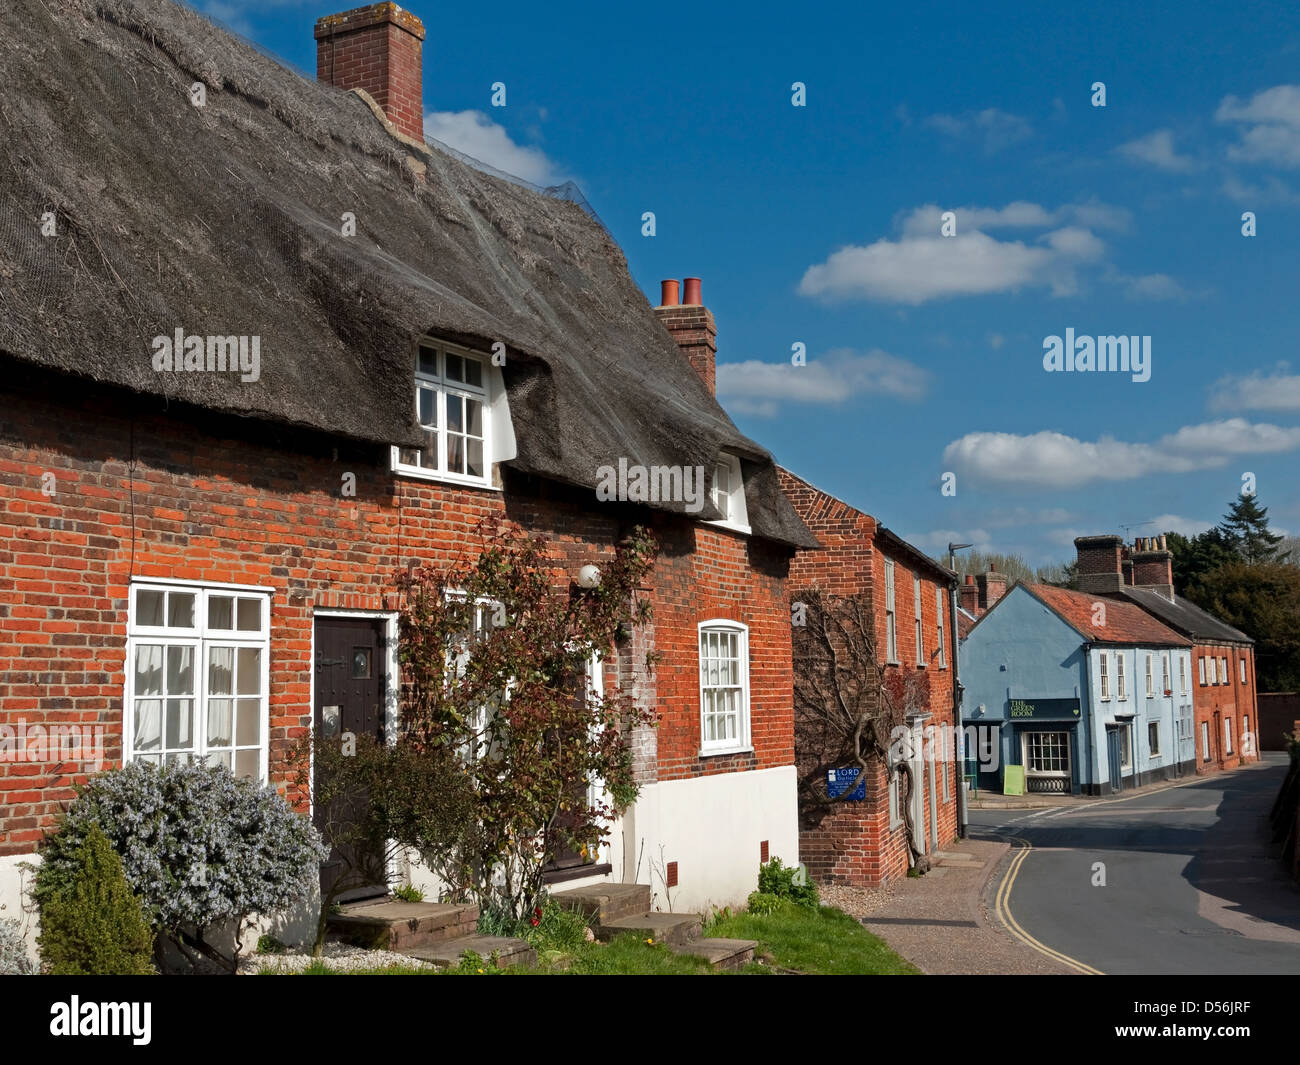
(337,956)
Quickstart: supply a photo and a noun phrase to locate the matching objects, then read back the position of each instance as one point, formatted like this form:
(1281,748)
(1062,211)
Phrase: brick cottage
(910,598)
(199,563)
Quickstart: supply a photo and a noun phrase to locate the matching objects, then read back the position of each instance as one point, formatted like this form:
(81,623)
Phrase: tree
(1196,556)
(1246,527)
(495,652)
(1263,601)
(850,708)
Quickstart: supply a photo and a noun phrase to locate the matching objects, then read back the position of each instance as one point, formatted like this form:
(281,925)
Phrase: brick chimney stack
(692,327)
(970,596)
(1153,565)
(1100,567)
(376,48)
(992,587)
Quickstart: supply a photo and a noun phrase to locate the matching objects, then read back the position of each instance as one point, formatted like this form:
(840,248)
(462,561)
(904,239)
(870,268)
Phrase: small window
(1243,671)
(940,643)
(729,494)
(1164,673)
(1151,684)
(1205,740)
(724,686)
(1201,660)
(916,610)
(1182,674)
(891,621)
(1104,662)
(1153,738)
(452,407)
(1120,690)
(1223,670)
(1227,735)
(1126,746)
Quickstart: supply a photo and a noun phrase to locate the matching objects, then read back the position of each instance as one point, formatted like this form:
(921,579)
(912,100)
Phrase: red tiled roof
(1125,623)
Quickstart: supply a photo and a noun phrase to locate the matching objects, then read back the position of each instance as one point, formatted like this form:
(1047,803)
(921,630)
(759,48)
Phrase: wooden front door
(351,693)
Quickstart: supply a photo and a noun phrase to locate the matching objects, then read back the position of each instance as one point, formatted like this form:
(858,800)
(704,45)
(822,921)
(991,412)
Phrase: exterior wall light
(589,577)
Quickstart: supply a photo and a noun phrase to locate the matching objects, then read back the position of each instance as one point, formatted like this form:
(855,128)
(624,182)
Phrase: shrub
(199,848)
(408,893)
(761,903)
(13,950)
(267,944)
(555,927)
(787,882)
(94,925)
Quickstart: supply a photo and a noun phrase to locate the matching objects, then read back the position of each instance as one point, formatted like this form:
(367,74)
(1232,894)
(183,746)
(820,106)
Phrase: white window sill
(419,474)
(744,530)
(710,752)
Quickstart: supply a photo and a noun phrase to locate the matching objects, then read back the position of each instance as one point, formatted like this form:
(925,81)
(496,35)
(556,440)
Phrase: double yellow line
(1003,909)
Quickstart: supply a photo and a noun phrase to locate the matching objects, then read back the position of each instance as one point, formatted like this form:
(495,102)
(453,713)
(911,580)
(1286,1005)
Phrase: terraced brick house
(262,348)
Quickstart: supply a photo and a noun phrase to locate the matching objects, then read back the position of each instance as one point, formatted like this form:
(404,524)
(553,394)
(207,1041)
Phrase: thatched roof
(226,219)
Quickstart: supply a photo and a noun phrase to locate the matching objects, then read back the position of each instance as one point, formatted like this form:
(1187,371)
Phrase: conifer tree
(1246,525)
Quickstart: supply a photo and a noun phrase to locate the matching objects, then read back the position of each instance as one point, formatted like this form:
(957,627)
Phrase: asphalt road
(1189,884)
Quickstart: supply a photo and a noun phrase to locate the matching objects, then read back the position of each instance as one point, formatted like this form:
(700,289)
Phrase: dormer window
(729,494)
(458,394)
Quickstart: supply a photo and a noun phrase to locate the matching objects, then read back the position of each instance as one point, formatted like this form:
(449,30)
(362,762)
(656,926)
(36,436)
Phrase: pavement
(942,924)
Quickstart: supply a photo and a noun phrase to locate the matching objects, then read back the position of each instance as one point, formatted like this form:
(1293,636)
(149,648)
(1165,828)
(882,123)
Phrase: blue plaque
(838,781)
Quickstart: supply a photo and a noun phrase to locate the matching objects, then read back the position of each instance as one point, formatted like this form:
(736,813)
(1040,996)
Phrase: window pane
(219,758)
(247,764)
(221,612)
(220,723)
(148,608)
(180,610)
(250,722)
(250,670)
(221,667)
(148,724)
(408,456)
(427,399)
(177,759)
(455,414)
(473,417)
(474,373)
(148,669)
(455,454)
(250,615)
(180,713)
(428,361)
(180,671)
(474,458)
(455,368)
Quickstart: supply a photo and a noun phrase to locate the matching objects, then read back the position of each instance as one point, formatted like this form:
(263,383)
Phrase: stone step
(602,903)
(719,953)
(392,924)
(677,928)
(510,952)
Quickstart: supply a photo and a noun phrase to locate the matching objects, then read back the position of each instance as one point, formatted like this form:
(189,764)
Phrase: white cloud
(759,388)
(1149,286)
(1157,149)
(1269,191)
(1054,460)
(473,133)
(1270,122)
(1166,523)
(922,265)
(993,128)
(1277,391)
(936,541)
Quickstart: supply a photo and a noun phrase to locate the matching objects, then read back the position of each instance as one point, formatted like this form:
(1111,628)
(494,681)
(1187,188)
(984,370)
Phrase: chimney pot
(668,293)
(692,297)
(692,327)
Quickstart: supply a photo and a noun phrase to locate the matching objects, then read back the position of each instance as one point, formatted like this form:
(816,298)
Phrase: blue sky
(821,225)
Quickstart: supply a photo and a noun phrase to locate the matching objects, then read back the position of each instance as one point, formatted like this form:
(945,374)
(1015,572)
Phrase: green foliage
(91,923)
(761,903)
(821,941)
(787,882)
(1263,600)
(408,893)
(495,674)
(199,848)
(550,926)
(267,944)
(1246,527)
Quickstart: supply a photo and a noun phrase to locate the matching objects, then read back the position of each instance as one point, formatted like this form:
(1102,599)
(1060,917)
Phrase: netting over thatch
(227,219)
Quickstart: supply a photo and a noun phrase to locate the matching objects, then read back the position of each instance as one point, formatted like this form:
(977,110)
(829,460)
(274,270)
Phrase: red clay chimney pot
(668,293)
(692,297)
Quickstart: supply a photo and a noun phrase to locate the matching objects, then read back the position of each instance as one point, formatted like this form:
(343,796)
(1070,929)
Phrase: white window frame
(920,630)
(1182,673)
(200,638)
(942,643)
(1104,661)
(1167,684)
(730,497)
(1223,670)
(1153,749)
(1151,681)
(1034,744)
(1227,735)
(741,742)
(891,616)
(1126,746)
(1201,662)
(1205,741)
(1121,687)
(443,387)
(1243,670)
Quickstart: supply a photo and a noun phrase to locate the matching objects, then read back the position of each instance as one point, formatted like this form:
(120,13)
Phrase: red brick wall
(693,328)
(855,845)
(1213,703)
(231,502)
(376,48)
